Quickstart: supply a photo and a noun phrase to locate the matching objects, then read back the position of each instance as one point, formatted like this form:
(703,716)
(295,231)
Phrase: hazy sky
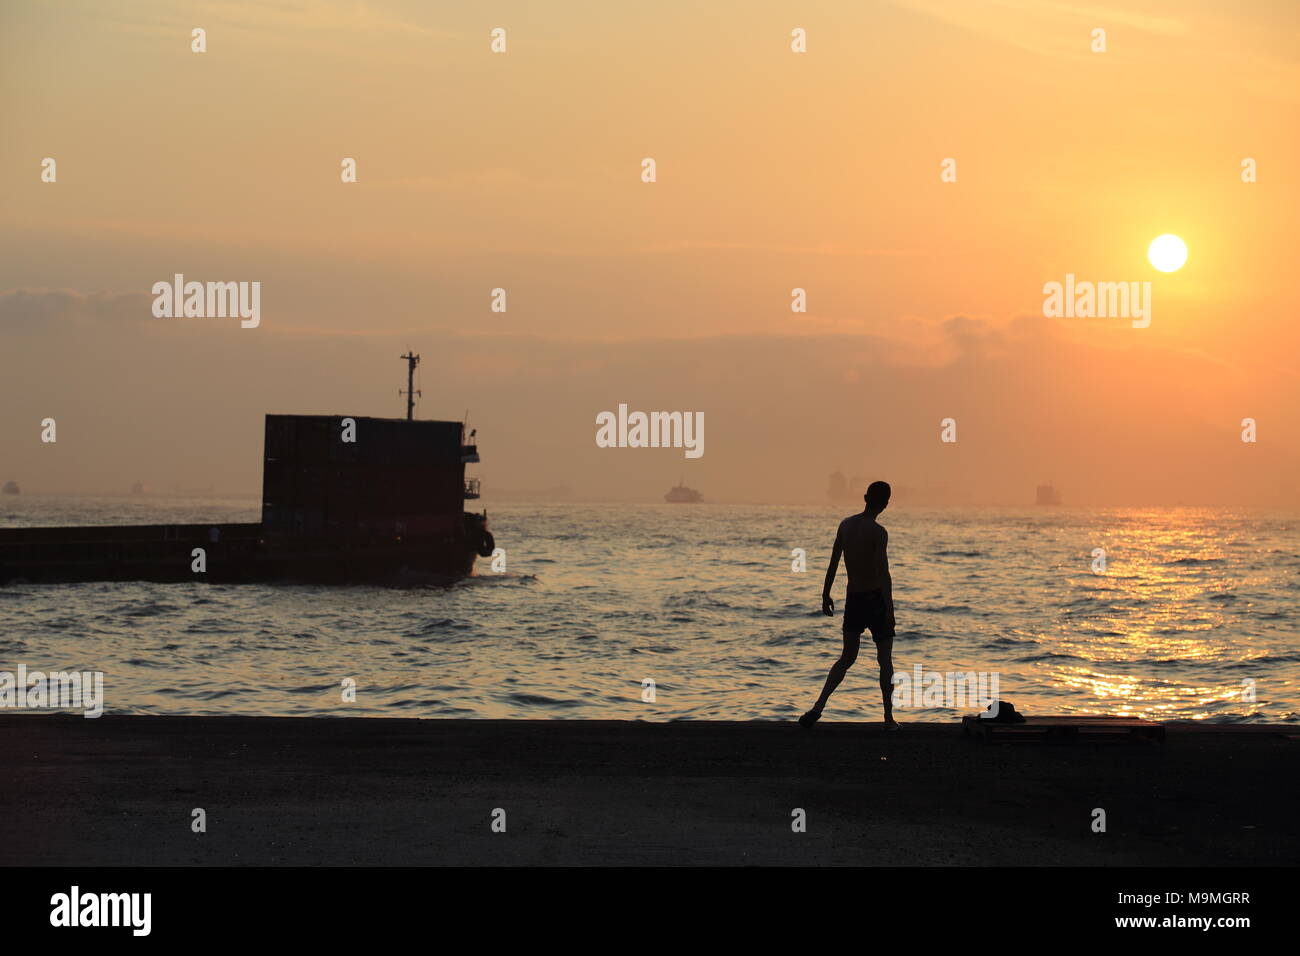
(775,170)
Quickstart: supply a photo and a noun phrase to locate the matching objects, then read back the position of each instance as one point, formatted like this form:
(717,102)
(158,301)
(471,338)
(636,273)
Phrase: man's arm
(889,598)
(828,606)
(889,582)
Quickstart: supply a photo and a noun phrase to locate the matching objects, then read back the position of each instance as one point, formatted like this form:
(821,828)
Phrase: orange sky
(775,170)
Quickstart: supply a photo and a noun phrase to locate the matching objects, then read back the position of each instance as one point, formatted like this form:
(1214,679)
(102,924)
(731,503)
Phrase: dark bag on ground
(1006,713)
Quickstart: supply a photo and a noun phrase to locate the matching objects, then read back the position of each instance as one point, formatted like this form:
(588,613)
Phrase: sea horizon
(1190,619)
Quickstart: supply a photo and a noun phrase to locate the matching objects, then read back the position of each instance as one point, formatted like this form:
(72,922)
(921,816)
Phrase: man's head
(877,496)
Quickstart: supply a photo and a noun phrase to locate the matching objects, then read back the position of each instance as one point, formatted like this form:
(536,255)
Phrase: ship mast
(412,360)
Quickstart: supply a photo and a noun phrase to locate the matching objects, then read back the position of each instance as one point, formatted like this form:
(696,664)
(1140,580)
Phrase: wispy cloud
(25,310)
(1040,26)
(820,249)
(325,25)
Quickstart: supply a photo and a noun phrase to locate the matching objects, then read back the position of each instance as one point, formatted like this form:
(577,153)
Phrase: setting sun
(1167,253)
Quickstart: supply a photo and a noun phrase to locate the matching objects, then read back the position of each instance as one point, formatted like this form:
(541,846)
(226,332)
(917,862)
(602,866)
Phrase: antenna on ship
(412,360)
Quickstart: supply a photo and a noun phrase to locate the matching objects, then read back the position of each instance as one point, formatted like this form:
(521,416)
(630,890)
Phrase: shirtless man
(869,602)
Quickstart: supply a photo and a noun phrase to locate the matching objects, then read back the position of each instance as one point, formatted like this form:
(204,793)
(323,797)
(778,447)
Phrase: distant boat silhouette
(10,488)
(837,486)
(681,495)
(1048,495)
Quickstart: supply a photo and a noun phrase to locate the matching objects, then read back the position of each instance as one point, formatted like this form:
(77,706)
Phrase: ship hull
(345,500)
(232,554)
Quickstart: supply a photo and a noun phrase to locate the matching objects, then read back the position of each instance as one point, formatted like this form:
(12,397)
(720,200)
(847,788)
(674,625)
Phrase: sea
(663,612)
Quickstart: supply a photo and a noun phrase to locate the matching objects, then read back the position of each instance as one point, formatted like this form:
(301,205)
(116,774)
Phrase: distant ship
(681,495)
(841,490)
(10,488)
(345,499)
(837,487)
(1048,495)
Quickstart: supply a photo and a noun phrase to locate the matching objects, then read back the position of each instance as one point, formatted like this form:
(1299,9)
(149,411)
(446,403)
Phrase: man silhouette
(869,602)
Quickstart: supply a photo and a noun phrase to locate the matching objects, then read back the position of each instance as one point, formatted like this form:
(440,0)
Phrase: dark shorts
(867,610)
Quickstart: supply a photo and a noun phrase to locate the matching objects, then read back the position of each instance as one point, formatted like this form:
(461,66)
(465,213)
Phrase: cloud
(279,17)
(322,26)
(24,310)
(1037,26)
(821,249)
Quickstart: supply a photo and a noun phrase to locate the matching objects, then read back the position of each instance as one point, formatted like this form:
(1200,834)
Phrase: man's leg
(841,667)
(885,655)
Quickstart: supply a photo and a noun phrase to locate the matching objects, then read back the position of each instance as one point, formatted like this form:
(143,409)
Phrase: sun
(1167,253)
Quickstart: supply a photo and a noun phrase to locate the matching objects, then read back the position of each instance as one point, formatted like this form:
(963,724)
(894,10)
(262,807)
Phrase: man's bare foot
(891,725)
(810,718)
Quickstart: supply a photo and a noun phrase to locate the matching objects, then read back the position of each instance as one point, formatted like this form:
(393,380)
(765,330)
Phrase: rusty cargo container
(345,499)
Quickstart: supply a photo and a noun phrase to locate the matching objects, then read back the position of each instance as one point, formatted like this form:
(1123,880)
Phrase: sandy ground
(339,791)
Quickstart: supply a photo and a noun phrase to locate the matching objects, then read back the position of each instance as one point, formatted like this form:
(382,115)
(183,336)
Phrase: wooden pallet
(1066,729)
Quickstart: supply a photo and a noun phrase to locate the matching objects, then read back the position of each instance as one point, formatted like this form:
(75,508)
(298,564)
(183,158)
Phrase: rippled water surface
(1194,606)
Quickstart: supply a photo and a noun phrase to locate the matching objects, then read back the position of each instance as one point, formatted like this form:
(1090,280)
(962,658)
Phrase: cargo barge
(345,500)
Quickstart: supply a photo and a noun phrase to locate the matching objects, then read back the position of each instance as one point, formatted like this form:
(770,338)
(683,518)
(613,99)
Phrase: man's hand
(828,605)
